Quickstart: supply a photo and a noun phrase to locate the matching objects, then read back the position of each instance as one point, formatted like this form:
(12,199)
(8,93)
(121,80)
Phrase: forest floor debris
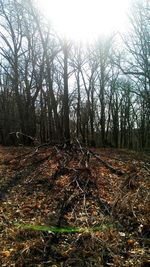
(74,207)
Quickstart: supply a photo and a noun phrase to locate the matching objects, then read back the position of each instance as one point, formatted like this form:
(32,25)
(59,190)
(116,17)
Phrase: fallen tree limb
(107,165)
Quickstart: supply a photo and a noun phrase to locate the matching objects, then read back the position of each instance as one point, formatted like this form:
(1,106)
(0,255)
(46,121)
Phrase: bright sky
(86,19)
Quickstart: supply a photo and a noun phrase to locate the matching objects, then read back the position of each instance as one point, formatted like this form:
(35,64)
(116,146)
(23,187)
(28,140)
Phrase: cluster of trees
(53,88)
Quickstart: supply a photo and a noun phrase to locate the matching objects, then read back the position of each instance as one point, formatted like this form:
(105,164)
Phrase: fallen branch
(107,165)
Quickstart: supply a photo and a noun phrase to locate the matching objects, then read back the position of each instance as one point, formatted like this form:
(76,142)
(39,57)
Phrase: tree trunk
(65,98)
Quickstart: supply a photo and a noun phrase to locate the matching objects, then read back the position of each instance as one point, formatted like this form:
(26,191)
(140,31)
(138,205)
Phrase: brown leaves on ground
(56,186)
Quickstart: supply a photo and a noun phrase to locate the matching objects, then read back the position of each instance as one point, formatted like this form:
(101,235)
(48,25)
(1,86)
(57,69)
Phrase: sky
(86,19)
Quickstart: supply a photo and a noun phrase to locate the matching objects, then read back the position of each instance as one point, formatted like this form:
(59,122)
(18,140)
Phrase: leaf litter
(74,207)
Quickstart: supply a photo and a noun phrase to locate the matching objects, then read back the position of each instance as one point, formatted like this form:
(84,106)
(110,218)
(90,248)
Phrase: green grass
(53,229)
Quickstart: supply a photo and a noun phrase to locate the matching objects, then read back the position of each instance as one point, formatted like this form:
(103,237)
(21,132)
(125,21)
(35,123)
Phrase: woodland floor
(95,202)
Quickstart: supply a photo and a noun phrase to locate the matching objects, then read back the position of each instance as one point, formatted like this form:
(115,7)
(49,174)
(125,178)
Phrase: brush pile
(72,206)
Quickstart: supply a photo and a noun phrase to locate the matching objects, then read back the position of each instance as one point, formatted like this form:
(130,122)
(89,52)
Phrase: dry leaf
(131,242)
(6,253)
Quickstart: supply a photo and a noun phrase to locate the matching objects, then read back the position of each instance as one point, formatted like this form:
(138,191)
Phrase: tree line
(56,89)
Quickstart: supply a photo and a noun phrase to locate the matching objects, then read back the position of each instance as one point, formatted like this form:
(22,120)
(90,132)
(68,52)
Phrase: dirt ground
(72,206)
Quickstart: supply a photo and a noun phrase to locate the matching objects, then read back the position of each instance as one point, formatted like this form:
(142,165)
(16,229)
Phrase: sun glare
(85,19)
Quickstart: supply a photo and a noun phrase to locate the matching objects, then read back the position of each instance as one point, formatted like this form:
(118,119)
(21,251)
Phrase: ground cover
(73,206)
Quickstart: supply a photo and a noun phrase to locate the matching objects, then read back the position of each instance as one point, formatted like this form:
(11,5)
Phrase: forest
(74,142)
(54,89)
